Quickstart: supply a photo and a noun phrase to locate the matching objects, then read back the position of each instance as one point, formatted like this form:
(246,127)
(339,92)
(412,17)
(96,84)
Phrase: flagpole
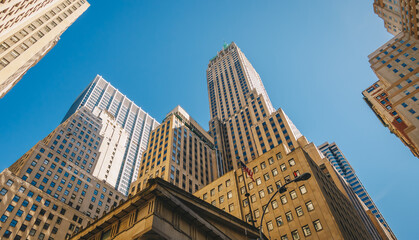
(247,197)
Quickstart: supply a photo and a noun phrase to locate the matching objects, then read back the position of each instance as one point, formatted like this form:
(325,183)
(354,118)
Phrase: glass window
(221,199)
(310,206)
(274,204)
(231,207)
(295,235)
(257,213)
(317,225)
(263,165)
(284,199)
(258,181)
(270,189)
(271,160)
(306,230)
(289,217)
(299,211)
(250,185)
(303,189)
(279,221)
(283,167)
(284,237)
(229,194)
(291,162)
(266,176)
(270,226)
(274,172)
(9,183)
(261,194)
(293,194)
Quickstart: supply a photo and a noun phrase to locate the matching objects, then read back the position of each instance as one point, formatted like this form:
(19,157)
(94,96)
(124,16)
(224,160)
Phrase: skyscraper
(246,127)
(135,121)
(342,166)
(180,152)
(243,122)
(50,191)
(28,30)
(391,13)
(393,98)
(399,16)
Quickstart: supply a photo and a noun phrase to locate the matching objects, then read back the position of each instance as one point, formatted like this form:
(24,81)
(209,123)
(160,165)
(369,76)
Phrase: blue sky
(311,56)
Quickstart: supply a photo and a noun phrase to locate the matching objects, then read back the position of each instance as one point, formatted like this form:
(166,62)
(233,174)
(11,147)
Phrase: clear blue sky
(311,56)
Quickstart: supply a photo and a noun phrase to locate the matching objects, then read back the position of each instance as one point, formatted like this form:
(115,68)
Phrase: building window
(258,181)
(271,161)
(229,194)
(284,199)
(261,194)
(274,204)
(306,230)
(317,225)
(231,207)
(257,213)
(221,199)
(310,206)
(266,176)
(299,211)
(9,183)
(284,237)
(303,189)
(270,226)
(283,167)
(278,155)
(291,162)
(295,235)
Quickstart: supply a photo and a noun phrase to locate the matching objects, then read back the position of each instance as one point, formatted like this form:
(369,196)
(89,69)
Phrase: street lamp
(282,189)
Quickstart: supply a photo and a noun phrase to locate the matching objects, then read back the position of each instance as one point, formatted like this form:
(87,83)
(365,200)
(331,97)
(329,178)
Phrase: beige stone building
(28,30)
(394,97)
(29,213)
(244,124)
(312,209)
(180,152)
(59,170)
(391,13)
(164,211)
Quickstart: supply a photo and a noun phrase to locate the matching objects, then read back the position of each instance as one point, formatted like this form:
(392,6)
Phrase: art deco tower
(28,30)
(135,122)
(243,122)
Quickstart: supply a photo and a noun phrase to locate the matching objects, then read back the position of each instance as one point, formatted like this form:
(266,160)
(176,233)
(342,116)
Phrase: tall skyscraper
(393,98)
(135,121)
(243,122)
(50,191)
(342,166)
(28,30)
(246,127)
(180,152)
